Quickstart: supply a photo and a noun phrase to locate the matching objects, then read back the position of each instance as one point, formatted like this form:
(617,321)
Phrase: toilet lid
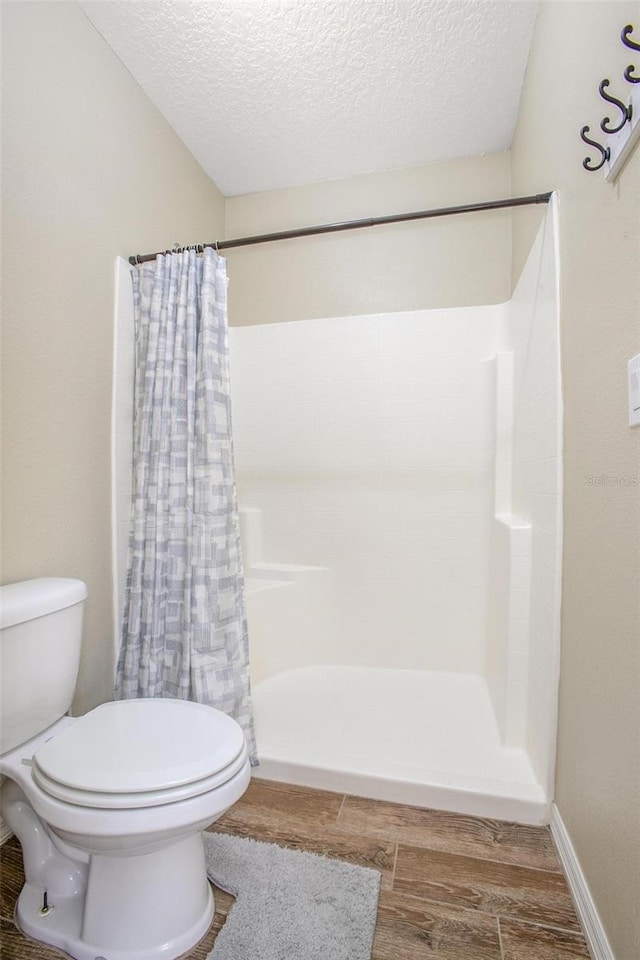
(139,747)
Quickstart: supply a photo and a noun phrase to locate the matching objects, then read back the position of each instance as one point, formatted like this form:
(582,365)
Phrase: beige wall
(598,768)
(449,262)
(90,171)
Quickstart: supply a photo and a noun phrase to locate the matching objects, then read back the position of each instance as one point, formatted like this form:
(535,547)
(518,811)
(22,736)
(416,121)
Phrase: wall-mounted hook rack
(623,133)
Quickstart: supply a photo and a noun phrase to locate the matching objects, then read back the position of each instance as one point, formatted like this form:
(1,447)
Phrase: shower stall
(399,483)
(400,504)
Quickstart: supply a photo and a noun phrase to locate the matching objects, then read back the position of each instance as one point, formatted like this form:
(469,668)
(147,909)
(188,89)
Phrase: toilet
(108,807)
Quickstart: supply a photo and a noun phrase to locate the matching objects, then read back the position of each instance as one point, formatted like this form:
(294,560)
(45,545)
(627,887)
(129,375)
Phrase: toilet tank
(40,636)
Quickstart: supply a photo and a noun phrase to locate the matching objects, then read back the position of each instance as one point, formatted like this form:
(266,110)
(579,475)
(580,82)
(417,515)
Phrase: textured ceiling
(276,93)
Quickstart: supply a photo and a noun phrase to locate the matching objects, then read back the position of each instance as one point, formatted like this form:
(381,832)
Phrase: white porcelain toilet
(108,807)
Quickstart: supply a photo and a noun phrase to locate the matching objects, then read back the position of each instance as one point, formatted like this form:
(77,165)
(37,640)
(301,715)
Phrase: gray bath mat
(290,905)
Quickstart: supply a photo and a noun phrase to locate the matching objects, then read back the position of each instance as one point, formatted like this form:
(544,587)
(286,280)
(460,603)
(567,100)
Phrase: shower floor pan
(417,737)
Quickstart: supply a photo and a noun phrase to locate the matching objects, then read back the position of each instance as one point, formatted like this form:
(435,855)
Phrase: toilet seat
(140,753)
(132,801)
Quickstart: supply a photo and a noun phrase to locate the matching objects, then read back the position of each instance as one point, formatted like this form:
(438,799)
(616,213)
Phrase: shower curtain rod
(350,225)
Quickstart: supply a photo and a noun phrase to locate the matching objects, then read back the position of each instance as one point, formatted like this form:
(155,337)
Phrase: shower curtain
(184,630)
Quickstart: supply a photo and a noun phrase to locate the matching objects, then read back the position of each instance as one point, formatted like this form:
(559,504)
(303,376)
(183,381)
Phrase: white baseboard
(589,918)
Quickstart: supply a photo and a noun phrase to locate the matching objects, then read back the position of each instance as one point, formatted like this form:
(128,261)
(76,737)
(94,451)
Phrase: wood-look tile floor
(453,887)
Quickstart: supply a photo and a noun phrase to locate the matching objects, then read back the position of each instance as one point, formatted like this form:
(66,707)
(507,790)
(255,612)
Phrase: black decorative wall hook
(624,36)
(626,111)
(604,151)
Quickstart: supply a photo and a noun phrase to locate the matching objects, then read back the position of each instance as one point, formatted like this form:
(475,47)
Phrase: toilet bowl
(109,809)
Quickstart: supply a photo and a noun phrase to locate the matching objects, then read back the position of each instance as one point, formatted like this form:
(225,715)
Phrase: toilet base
(148,907)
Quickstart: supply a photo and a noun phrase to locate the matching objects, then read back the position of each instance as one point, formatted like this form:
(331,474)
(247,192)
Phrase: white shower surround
(399,481)
(404,469)
(366,442)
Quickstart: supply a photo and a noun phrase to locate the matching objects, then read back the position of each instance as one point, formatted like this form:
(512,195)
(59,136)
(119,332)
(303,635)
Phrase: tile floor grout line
(541,926)
(500,939)
(395,861)
(508,863)
(484,859)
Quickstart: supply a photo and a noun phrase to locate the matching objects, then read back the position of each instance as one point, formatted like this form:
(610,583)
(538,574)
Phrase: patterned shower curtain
(184,631)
